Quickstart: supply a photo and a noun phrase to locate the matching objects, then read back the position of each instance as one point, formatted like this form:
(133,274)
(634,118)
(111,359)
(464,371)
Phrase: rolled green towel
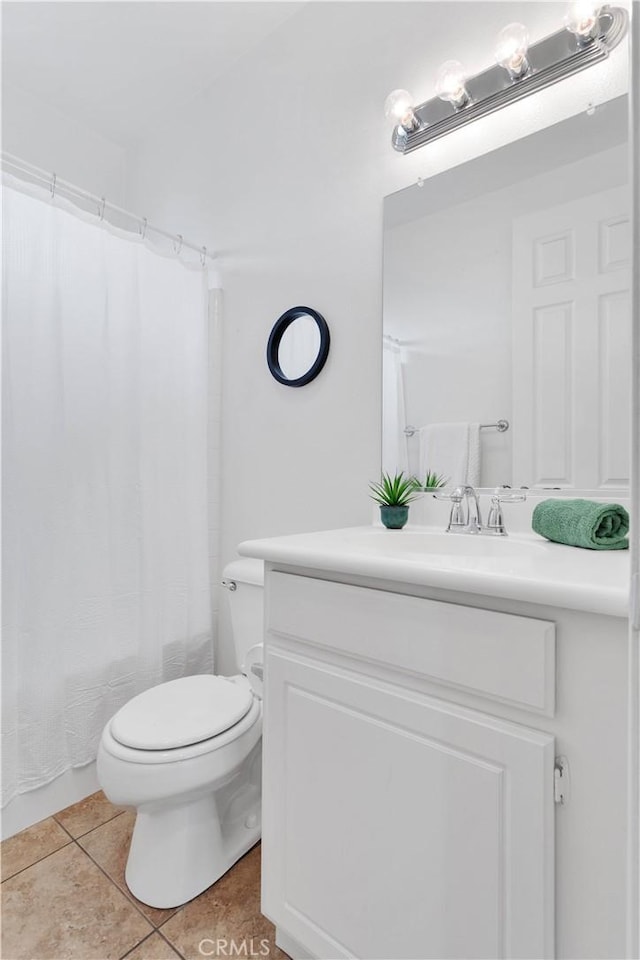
(582,523)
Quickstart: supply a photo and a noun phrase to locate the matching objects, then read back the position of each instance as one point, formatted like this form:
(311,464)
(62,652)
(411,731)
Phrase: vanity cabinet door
(399,825)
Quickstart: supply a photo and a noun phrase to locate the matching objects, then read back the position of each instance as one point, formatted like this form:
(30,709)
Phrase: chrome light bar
(549,60)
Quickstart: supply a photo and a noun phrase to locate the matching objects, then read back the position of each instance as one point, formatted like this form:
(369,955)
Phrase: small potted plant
(394,494)
(434,481)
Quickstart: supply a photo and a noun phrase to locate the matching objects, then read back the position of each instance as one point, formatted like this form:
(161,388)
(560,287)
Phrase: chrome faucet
(466,516)
(495,522)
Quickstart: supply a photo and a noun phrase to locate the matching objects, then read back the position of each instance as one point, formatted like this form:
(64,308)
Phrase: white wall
(282,167)
(42,135)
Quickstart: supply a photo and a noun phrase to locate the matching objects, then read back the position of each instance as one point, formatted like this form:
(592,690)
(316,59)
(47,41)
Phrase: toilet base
(178,850)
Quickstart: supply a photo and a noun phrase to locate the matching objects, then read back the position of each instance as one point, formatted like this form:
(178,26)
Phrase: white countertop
(523,567)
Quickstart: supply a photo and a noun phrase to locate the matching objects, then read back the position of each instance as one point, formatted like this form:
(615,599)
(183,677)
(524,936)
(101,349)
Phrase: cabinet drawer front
(497,655)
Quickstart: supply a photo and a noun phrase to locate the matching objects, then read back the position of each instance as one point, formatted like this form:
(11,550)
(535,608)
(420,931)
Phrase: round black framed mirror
(298,346)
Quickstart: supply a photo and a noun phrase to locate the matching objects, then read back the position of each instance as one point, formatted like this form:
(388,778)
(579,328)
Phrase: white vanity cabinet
(409,800)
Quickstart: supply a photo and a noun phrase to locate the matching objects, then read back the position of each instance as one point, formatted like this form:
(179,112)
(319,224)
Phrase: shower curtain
(105,554)
(395,455)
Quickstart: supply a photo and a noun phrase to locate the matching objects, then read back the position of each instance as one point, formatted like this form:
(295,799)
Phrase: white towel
(451,450)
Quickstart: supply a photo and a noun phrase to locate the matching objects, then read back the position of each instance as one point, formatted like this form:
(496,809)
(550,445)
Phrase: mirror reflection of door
(572,343)
(473,335)
(299,347)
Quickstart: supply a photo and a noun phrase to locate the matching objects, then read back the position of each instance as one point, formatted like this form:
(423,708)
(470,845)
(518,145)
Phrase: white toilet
(187,755)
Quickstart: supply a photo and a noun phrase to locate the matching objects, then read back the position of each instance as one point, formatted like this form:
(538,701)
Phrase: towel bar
(501,426)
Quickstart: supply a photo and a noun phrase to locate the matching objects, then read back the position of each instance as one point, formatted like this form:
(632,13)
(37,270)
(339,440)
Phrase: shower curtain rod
(12,164)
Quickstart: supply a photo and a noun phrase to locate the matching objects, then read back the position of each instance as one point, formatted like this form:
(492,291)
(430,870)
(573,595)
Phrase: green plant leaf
(434,481)
(396,491)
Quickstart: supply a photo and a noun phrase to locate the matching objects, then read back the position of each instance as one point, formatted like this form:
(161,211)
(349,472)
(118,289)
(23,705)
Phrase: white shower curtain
(395,455)
(105,566)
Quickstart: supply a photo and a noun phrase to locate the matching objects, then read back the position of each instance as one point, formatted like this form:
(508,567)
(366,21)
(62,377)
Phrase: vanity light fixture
(590,32)
(399,108)
(582,20)
(511,50)
(450,84)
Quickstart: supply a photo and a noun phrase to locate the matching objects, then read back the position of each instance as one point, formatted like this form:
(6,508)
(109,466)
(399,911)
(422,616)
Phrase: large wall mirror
(507,317)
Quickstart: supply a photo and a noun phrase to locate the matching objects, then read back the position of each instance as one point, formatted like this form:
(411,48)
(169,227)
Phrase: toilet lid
(180,713)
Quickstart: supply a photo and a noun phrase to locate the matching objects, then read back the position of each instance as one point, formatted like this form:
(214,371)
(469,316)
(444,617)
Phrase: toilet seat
(181,713)
(179,755)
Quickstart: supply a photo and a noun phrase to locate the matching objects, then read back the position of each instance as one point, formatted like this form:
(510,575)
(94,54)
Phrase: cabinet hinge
(561,780)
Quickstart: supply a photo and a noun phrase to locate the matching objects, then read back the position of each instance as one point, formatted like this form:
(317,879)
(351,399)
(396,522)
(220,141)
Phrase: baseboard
(291,946)
(29,808)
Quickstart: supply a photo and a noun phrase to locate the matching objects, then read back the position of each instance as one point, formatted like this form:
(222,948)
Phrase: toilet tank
(244,580)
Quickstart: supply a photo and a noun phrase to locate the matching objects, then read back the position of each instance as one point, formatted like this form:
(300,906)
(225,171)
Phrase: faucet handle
(449,497)
(501,496)
(495,520)
(456,495)
(459,515)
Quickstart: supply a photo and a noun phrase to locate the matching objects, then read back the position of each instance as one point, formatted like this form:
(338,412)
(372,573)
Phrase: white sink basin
(418,544)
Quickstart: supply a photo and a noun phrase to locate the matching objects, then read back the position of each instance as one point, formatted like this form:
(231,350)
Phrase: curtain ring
(203,256)
(53,186)
(177,249)
(143,231)
(101,209)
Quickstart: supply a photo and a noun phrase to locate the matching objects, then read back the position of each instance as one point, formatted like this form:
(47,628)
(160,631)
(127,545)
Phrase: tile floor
(64,898)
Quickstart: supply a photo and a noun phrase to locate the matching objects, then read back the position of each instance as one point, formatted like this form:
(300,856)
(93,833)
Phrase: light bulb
(511,49)
(450,83)
(583,20)
(399,107)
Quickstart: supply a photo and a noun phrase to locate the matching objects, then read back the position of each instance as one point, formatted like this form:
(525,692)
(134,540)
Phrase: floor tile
(87,814)
(65,907)
(153,948)
(227,911)
(30,845)
(108,845)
